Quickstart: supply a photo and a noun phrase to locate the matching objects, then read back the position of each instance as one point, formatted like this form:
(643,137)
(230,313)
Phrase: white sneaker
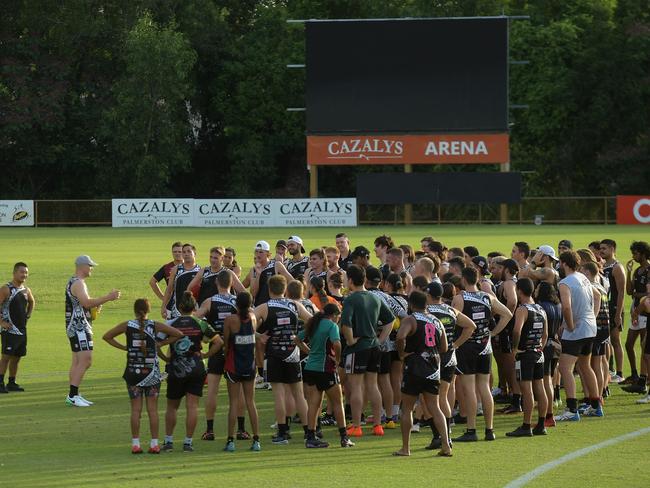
(87,401)
(76,401)
(274,425)
(567,416)
(479,410)
(496,391)
(616,379)
(415,428)
(644,400)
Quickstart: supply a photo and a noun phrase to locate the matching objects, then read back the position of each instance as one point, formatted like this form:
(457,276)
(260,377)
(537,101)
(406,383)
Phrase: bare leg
(192,407)
(408,401)
(439,419)
(300,402)
(483,385)
(136,410)
(170,415)
(617,348)
(279,397)
(152,412)
(373,395)
(82,360)
(629,347)
(386,389)
(249,394)
(354,390)
(468,385)
(542,400)
(396,382)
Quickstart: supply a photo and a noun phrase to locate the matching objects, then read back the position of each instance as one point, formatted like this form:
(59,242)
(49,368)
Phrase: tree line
(173,97)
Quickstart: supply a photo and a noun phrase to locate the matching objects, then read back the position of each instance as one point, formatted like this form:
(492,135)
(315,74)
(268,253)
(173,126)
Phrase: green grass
(44,443)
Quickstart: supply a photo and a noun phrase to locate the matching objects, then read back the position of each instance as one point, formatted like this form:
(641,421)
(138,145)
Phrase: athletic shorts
(470,361)
(529,366)
(550,362)
(280,371)
(641,324)
(14,344)
(599,348)
(321,380)
(236,378)
(448,363)
(143,391)
(394,356)
(82,340)
(177,388)
(505,341)
(366,361)
(384,362)
(216,363)
(414,385)
(581,347)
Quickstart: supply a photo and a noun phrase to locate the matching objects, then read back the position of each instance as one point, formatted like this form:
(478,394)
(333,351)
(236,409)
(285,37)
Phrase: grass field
(45,443)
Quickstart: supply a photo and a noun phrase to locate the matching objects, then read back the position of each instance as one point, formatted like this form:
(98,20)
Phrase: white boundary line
(531,475)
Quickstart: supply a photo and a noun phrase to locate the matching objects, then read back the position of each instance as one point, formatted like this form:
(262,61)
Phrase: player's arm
(458,303)
(485,286)
(387,318)
(202,311)
(172,333)
(597,299)
(510,295)
(80,291)
(168,291)
(346,325)
(153,282)
(538,274)
(255,280)
(405,330)
(114,332)
(619,278)
(227,325)
(4,295)
(521,314)
(260,313)
(443,345)
(195,284)
(629,284)
(31,303)
(303,313)
(299,340)
(565,298)
(468,327)
(545,332)
(247,281)
(503,312)
(236,284)
(281,269)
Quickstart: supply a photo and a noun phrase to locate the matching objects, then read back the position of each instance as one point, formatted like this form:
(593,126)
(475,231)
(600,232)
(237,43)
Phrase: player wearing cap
(262,272)
(481,265)
(164,272)
(342,243)
(562,246)
(615,274)
(580,305)
(78,318)
(16,307)
(298,264)
(180,277)
(360,257)
(475,356)
(542,266)
(453,322)
(529,337)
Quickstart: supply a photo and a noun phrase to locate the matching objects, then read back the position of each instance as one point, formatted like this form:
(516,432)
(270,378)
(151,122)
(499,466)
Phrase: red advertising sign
(408,149)
(633,209)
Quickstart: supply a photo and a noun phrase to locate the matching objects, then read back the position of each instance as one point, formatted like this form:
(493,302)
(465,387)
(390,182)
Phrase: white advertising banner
(153,212)
(241,212)
(316,212)
(16,213)
(233,213)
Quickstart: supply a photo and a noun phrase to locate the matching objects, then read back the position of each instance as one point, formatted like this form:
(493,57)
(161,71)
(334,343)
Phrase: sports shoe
(154,450)
(459,419)
(436,443)
(489,435)
(644,400)
(279,439)
(255,446)
(346,442)
(354,431)
(539,430)
(207,436)
(635,388)
(136,450)
(16,387)
(242,435)
(520,432)
(583,407)
(415,428)
(630,380)
(76,401)
(467,437)
(167,447)
(503,399)
(594,412)
(3,388)
(378,430)
(327,420)
(230,446)
(549,422)
(390,425)
(87,401)
(615,378)
(274,425)
(511,409)
(263,385)
(496,391)
(188,448)
(567,416)
(316,443)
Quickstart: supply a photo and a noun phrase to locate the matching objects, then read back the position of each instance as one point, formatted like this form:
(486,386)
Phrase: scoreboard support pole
(505,168)
(408,207)
(313,181)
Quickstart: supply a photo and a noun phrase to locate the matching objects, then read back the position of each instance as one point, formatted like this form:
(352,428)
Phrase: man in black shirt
(343,245)
(165,270)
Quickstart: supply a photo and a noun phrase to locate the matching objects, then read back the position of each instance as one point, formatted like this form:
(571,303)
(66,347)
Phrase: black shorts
(216,363)
(280,371)
(550,362)
(414,385)
(471,361)
(448,364)
(384,362)
(235,378)
(82,340)
(581,347)
(14,344)
(321,380)
(365,361)
(394,356)
(598,347)
(178,387)
(529,366)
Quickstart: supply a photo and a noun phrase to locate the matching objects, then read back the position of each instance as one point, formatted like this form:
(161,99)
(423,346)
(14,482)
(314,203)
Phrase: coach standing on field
(78,318)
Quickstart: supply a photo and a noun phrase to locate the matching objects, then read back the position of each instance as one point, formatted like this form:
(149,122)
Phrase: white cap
(547,251)
(295,239)
(262,246)
(84,259)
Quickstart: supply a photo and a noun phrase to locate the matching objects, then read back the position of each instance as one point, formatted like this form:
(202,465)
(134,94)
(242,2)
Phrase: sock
(516,400)
(2,378)
(74,390)
(283,429)
(549,415)
(434,431)
(448,425)
(241,423)
(210,423)
(135,442)
(342,432)
(395,410)
(169,439)
(311,434)
(319,425)
(525,426)
(634,374)
(256,438)
(306,429)
(260,371)
(540,421)
(620,373)
(12,379)
(595,403)
(556,392)
(153,443)
(230,439)
(572,404)
(188,441)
